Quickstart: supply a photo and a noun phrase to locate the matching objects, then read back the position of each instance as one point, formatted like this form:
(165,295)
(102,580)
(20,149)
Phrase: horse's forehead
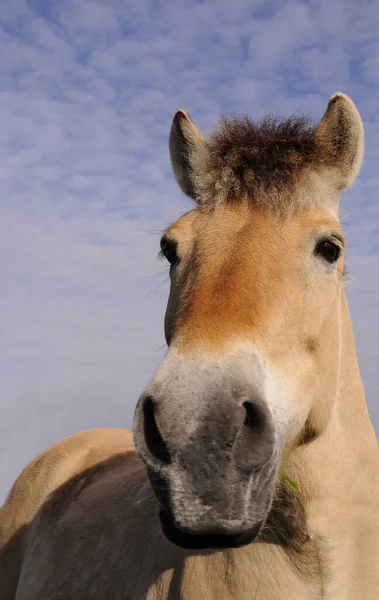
(245,224)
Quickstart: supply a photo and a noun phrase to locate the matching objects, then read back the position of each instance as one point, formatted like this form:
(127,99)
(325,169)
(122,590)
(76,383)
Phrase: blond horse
(260,376)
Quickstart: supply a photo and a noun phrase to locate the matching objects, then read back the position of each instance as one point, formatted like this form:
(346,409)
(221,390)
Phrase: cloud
(87,93)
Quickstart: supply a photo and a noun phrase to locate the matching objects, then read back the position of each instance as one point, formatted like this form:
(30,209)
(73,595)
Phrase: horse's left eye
(328,250)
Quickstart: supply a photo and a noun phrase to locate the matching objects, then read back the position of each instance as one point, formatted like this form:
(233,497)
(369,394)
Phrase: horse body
(96,534)
(261,374)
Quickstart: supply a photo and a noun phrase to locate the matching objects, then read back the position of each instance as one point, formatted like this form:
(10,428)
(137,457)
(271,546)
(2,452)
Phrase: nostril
(254,418)
(154,440)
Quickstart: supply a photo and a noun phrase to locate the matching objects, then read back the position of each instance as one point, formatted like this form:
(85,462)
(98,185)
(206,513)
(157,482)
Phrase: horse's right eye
(169,250)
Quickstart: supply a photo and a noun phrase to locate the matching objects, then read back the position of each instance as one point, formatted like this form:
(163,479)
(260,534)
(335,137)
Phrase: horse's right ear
(188,150)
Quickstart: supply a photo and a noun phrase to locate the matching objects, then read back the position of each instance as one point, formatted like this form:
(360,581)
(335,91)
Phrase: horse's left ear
(341,139)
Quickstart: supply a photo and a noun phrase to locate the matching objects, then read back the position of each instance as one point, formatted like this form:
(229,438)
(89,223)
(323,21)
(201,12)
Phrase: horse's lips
(197,541)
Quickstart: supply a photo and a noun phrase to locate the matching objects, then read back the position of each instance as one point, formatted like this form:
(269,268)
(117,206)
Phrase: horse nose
(208,439)
(232,424)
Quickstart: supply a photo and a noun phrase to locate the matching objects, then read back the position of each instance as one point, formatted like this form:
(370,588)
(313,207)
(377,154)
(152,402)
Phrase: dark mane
(247,158)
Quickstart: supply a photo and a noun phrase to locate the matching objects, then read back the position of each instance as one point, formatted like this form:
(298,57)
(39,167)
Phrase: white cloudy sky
(87,92)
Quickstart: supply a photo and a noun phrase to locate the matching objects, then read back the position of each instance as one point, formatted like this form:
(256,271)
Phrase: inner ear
(188,149)
(340,137)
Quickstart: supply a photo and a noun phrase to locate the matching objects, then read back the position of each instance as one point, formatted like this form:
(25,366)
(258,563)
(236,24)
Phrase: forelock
(257,161)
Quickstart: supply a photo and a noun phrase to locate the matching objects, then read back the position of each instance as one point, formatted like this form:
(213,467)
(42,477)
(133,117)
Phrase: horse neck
(350,425)
(346,454)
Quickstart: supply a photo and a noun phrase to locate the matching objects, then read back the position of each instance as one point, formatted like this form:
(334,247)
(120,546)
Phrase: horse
(252,470)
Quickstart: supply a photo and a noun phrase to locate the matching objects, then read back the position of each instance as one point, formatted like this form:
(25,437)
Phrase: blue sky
(87,93)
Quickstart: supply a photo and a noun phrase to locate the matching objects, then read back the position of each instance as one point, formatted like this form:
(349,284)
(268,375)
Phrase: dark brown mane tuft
(247,158)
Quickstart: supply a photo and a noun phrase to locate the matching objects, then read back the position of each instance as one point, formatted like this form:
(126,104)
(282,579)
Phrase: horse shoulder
(47,472)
